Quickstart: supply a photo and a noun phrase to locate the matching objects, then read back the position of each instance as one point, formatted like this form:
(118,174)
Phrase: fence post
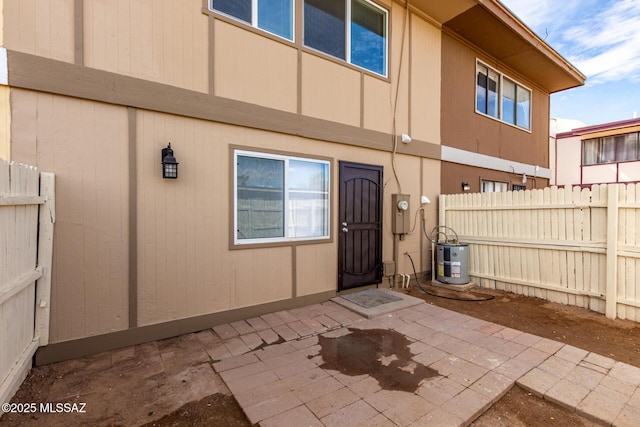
(45,255)
(612,251)
(441,210)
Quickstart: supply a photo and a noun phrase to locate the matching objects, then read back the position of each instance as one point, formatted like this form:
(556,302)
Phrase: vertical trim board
(133,218)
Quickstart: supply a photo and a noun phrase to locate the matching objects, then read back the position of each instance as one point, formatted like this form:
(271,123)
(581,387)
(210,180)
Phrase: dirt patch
(519,408)
(618,339)
(581,328)
(214,410)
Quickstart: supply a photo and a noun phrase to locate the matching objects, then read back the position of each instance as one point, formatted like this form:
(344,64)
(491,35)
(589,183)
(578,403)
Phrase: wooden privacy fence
(568,245)
(26,245)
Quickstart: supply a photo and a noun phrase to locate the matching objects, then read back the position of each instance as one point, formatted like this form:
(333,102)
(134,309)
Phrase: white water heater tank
(453,263)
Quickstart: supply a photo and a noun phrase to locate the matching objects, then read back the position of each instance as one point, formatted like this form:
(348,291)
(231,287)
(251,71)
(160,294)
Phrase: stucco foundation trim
(92,345)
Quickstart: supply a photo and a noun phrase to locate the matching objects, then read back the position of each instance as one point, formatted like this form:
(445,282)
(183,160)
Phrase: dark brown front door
(360,225)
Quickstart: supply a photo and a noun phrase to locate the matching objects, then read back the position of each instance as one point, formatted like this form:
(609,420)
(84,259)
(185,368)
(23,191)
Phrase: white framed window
(280,198)
(502,98)
(273,16)
(351,30)
(488,186)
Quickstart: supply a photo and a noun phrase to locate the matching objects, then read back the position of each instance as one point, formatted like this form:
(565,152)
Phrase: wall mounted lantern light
(466,186)
(169,163)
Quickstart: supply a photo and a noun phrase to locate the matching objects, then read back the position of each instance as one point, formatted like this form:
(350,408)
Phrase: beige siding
(431,172)
(399,67)
(160,40)
(378,105)
(40,27)
(313,277)
(185,267)
(5,123)
(85,144)
(330,91)
(255,69)
(425,81)
(182,224)
(2,15)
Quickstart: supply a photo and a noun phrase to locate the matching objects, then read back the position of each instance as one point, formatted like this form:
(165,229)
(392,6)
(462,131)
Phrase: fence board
(20,202)
(569,245)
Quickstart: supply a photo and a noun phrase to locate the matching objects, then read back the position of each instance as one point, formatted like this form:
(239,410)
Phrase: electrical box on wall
(401,216)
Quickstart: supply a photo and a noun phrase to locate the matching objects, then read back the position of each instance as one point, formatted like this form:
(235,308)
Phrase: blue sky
(601,38)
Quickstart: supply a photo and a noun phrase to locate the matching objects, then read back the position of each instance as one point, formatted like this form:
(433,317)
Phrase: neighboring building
(556,126)
(497,140)
(600,154)
(286,121)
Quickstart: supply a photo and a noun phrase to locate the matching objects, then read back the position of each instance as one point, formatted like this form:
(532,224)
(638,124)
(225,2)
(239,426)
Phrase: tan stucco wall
(182,45)
(85,145)
(183,265)
(5,123)
(425,82)
(161,40)
(254,69)
(40,27)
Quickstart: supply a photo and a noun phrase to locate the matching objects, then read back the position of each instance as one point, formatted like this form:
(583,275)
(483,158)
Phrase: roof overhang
(604,129)
(490,26)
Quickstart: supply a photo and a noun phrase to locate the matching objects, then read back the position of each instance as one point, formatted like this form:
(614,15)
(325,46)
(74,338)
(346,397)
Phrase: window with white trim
(273,16)
(502,98)
(280,198)
(352,30)
(488,186)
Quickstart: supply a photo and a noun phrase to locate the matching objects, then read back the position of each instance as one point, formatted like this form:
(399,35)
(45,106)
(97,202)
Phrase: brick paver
(273,365)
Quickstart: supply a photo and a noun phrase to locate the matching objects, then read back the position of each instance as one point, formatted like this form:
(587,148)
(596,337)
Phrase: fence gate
(27,212)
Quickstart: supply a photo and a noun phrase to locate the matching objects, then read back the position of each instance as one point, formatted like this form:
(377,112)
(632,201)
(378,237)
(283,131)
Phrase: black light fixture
(466,186)
(169,163)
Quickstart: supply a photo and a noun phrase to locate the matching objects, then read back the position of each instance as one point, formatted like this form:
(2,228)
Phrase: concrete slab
(400,301)
(449,286)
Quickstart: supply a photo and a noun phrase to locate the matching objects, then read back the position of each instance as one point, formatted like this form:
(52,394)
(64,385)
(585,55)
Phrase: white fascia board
(4,70)
(469,158)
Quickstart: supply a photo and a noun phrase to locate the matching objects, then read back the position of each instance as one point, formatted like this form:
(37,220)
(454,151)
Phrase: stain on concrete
(379,353)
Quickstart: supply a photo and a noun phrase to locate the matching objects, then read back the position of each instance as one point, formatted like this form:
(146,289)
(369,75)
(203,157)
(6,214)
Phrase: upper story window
(274,16)
(280,198)
(611,149)
(352,30)
(502,98)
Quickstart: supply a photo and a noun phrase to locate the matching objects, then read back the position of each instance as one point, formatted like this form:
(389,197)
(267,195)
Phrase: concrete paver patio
(477,363)
(324,365)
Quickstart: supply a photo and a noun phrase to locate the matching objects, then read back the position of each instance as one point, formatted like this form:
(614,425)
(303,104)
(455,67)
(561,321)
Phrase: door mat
(374,302)
(370,298)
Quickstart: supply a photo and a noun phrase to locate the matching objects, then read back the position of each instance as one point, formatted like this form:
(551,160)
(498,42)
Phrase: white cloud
(601,38)
(607,46)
